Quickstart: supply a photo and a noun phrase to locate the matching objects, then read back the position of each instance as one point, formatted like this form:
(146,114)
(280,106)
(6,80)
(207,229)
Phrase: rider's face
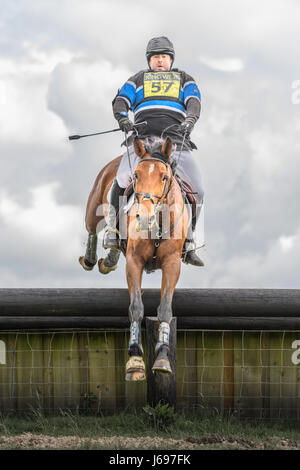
(160,62)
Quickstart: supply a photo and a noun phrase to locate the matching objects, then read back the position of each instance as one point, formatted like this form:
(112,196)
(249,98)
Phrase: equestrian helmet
(160,45)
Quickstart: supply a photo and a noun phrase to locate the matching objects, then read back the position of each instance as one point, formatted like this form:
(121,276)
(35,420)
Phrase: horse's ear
(139,147)
(167,147)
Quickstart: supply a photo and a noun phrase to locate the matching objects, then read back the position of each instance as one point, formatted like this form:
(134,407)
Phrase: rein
(148,196)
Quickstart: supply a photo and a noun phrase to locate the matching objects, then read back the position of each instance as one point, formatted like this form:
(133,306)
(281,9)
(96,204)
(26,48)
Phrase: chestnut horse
(150,244)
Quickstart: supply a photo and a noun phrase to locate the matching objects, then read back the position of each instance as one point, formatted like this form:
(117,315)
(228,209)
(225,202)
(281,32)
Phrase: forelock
(153,147)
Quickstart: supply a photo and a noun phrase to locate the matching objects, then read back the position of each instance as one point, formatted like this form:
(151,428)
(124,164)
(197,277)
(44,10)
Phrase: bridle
(146,196)
(160,234)
(167,186)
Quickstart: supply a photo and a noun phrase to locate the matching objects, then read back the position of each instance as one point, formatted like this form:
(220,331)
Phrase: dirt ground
(39,441)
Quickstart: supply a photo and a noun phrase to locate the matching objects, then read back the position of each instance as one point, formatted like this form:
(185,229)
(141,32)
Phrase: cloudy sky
(61,63)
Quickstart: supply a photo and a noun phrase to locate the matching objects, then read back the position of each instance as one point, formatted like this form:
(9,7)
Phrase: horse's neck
(175,198)
(175,195)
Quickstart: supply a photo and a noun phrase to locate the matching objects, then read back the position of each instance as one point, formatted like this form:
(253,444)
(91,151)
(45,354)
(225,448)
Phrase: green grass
(153,422)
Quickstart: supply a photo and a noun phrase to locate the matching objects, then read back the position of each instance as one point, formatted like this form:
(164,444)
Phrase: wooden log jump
(221,309)
(214,355)
(186,302)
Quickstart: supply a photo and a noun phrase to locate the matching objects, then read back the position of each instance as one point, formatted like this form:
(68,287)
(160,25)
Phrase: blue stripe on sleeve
(139,96)
(190,90)
(128,90)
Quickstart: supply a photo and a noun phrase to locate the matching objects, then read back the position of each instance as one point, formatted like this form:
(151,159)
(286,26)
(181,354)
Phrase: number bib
(161,84)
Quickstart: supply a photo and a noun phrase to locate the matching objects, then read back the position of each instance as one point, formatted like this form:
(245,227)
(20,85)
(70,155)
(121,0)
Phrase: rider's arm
(120,108)
(125,98)
(192,98)
(193,109)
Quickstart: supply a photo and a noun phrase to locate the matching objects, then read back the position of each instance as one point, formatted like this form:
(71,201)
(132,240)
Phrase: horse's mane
(153,147)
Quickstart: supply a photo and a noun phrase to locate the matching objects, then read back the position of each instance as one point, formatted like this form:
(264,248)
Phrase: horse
(150,244)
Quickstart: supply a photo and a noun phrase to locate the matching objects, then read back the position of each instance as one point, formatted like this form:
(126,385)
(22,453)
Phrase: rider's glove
(125,124)
(186,127)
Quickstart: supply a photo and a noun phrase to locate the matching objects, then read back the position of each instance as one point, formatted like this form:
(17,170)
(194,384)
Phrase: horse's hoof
(84,265)
(135,376)
(105,269)
(163,366)
(135,369)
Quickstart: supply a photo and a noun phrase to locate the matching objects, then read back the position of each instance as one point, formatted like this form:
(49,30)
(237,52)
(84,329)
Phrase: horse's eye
(165,178)
(135,176)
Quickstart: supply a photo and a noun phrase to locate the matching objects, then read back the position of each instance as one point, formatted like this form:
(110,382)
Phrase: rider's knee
(199,196)
(122,180)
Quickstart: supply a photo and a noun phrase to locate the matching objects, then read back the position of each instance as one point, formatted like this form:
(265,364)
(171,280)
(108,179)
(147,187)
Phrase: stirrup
(189,255)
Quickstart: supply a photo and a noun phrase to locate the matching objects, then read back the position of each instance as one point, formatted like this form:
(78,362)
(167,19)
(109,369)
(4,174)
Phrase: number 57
(156,86)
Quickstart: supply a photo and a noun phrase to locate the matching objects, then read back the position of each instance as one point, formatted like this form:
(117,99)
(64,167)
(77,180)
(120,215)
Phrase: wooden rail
(255,372)
(221,309)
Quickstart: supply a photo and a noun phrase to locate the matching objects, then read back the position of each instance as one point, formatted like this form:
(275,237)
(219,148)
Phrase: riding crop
(75,137)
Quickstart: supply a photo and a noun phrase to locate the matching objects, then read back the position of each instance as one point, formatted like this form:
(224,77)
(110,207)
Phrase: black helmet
(160,45)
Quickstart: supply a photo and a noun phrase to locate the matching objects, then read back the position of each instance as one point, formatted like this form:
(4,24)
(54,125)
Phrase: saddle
(188,194)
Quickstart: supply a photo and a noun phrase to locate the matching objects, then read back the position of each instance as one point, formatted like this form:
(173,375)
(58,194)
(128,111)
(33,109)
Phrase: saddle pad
(188,194)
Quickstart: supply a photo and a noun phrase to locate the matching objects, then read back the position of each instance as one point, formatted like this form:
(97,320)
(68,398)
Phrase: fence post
(160,387)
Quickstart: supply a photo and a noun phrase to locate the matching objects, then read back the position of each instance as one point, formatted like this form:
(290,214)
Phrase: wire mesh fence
(246,373)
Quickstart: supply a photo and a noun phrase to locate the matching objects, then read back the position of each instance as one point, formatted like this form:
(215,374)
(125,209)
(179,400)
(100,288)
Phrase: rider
(165,98)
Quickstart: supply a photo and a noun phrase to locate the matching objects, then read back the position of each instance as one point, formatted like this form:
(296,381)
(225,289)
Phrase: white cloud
(287,243)
(82,91)
(60,68)
(276,267)
(34,61)
(230,64)
(24,116)
(45,230)
(268,157)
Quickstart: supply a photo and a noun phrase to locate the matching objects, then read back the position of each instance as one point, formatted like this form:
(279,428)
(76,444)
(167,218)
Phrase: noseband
(148,196)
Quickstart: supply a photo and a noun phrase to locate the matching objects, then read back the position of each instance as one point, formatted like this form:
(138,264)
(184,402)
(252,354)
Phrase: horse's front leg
(89,260)
(171,266)
(135,367)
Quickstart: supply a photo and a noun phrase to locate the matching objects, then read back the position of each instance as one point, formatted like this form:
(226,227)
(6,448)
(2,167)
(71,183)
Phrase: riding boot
(189,255)
(111,239)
